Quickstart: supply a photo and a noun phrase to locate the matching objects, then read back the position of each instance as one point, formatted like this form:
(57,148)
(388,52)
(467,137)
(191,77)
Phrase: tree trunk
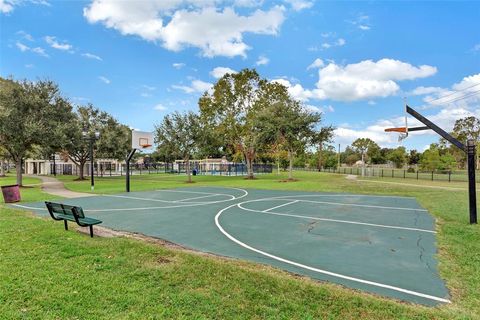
(249,167)
(320,151)
(187,167)
(81,166)
(290,165)
(363,164)
(2,168)
(278,165)
(19,171)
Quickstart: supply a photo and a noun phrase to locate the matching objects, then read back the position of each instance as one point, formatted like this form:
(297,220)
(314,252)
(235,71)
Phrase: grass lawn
(51,274)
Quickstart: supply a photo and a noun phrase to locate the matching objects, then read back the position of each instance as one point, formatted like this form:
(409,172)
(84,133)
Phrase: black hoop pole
(127,168)
(472,193)
(469,149)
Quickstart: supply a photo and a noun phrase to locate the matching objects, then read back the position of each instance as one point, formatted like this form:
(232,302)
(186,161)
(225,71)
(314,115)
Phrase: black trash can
(194,172)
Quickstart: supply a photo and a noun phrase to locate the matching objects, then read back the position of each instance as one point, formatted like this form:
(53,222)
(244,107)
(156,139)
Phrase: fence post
(432,175)
(382,173)
(417,174)
(393,172)
(403,174)
(449,175)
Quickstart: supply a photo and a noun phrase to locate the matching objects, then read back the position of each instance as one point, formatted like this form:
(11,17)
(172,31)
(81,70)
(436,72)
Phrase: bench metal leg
(66,225)
(91,231)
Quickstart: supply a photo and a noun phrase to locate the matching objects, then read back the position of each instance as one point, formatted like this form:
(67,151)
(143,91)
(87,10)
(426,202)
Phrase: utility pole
(338,157)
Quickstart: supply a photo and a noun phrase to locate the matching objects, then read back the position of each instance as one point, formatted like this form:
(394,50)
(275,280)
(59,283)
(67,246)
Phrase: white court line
(333,220)
(193,204)
(182,191)
(27,207)
(329,273)
(282,205)
(137,198)
(201,197)
(356,205)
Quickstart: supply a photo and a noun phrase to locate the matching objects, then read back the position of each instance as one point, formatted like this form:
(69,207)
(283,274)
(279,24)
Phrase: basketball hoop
(143,142)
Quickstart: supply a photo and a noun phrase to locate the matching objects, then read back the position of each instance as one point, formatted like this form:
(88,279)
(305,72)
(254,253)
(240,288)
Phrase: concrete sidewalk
(54,186)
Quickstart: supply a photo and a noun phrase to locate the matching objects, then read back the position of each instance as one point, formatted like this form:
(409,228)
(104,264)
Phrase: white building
(67,167)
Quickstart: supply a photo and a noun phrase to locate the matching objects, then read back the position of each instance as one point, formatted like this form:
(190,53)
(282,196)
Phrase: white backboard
(142,140)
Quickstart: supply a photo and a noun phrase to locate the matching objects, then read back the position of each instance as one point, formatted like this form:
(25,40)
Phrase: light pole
(54,165)
(91,139)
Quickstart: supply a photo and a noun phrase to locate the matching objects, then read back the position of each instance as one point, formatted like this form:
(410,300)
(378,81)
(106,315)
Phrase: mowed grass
(50,274)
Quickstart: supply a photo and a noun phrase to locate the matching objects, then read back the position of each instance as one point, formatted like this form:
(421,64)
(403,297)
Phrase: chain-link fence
(446,175)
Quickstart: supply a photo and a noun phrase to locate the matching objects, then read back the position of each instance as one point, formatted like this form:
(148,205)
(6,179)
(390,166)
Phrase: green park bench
(59,211)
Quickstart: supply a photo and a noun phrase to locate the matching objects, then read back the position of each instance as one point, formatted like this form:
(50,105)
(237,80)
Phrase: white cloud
(419,91)
(104,79)
(296,90)
(262,60)
(318,63)
(366,79)
(340,42)
(476,47)
(463,93)
(40,51)
(52,41)
(178,24)
(359,81)
(325,108)
(362,22)
(149,88)
(160,107)
(29,65)
(25,35)
(24,48)
(196,86)
(91,56)
(6,6)
(299,5)
(178,65)
(219,72)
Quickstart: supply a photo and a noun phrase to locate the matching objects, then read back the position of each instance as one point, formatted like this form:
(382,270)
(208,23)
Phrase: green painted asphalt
(380,244)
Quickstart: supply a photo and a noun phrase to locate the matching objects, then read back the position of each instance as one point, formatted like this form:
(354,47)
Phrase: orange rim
(400,129)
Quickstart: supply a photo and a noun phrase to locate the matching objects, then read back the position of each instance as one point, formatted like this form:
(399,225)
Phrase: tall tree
(288,124)
(465,129)
(413,157)
(398,156)
(320,139)
(178,134)
(231,109)
(31,114)
(362,145)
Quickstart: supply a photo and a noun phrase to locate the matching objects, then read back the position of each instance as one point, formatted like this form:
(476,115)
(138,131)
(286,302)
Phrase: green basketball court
(380,244)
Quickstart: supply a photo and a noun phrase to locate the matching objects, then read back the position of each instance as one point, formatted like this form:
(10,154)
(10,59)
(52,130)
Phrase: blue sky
(354,61)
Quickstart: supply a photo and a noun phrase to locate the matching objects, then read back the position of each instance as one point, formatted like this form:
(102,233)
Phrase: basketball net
(402,136)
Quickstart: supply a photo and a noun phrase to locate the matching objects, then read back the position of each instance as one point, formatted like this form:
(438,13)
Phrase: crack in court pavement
(311,226)
(422,251)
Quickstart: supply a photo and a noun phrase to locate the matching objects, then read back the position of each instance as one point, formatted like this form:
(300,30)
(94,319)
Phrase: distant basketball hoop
(141,140)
